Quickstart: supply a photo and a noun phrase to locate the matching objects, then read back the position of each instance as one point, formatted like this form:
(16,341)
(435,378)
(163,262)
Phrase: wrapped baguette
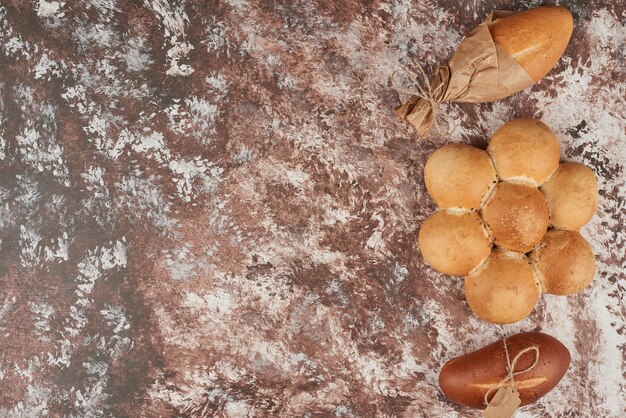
(505,54)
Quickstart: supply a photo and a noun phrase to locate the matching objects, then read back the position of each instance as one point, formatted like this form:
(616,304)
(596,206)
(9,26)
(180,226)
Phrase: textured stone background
(208,208)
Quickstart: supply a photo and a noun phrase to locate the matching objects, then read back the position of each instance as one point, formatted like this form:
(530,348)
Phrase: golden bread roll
(467,379)
(524,151)
(564,262)
(504,289)
(454,243)
(459,176)
(535,38)
(516,216)
(572,195)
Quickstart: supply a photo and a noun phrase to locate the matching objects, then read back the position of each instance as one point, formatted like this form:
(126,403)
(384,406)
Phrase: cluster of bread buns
(508,220)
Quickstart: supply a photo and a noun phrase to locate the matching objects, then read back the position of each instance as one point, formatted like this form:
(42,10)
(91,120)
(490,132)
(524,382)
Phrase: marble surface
(209,208)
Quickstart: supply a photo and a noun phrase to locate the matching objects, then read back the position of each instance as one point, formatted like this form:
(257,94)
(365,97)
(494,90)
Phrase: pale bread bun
(564,262)
(572,195)
(504,289)
(535,38)
(454,243)
(459,176)
(516,216)
(524,151)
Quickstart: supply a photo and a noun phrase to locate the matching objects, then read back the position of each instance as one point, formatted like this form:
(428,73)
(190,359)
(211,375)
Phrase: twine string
(511,373)
(424,90)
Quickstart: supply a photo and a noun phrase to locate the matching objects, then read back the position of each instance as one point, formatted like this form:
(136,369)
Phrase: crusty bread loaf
(564,262)
(504,289)
(516,216)
(572,195)
(454,243)
(459,176)
(535,38)
(504,55)
(524,151)
(468,378)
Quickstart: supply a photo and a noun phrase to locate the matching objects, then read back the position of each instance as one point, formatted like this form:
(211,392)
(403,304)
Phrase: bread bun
(516,216)
(452,243)
(524,151)
(467,379)
(459,176)
(504,289)
(535,38)
(572,195)
(564,262)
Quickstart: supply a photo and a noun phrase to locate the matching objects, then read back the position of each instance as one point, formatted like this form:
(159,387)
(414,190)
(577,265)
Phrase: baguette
(506,53)
(535,38)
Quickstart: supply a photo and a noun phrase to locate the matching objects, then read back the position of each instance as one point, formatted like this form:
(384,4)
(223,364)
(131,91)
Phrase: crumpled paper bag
(479,71)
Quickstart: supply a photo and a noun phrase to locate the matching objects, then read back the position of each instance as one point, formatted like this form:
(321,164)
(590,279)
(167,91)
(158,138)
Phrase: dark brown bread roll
(468,378)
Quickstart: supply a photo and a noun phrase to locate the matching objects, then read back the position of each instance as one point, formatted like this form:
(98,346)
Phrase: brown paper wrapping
(480,71)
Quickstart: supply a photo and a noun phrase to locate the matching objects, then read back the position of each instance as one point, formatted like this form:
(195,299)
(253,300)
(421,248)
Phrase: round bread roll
(524,151)
(572,195)
(459,176)
(453,243)
(504,289)
(564,262)
(516,216)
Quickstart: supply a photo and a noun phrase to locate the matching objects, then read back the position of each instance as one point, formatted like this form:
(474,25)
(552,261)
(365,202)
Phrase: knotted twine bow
(423,89)
(510,368)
